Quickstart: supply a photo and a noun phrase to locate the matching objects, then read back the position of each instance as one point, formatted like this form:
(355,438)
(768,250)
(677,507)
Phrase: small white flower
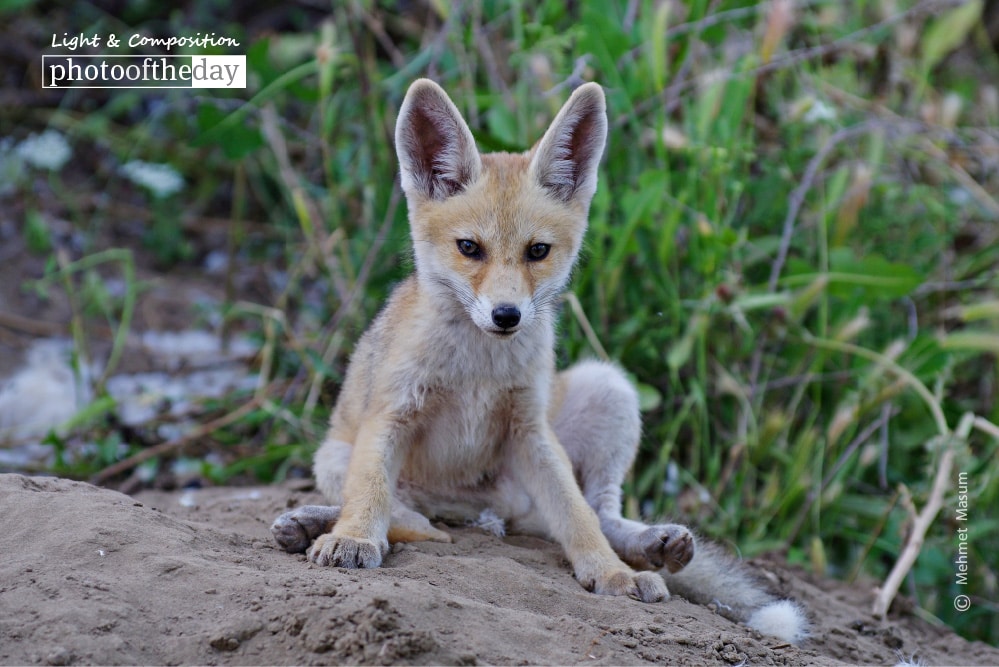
(161,180)
(48,150)
(811,110)
(818,112)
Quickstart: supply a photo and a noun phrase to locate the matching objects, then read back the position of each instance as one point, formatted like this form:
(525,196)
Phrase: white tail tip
(783,619)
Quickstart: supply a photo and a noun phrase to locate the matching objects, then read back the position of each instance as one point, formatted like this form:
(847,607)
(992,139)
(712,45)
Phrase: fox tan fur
(452,408)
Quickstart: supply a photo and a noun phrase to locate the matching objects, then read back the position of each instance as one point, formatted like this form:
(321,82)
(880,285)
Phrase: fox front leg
(545,470)
(360,537)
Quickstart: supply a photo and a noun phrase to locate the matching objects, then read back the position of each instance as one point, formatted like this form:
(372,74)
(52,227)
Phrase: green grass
(791,248)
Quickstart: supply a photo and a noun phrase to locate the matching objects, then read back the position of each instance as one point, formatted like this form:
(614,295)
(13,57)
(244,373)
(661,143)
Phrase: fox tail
(715,577)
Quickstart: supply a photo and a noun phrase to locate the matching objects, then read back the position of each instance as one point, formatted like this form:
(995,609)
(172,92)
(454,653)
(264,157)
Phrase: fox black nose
(506,316)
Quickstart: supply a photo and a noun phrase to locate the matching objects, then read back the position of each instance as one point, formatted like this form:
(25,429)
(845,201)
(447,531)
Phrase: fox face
(497,234)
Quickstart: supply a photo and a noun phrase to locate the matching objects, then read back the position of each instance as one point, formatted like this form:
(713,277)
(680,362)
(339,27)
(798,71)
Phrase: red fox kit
(452,408)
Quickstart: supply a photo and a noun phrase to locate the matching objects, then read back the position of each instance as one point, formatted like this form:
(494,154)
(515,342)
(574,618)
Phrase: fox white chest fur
(458,397)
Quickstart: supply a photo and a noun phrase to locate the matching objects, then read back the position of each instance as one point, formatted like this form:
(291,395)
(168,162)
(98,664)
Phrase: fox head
(498,233)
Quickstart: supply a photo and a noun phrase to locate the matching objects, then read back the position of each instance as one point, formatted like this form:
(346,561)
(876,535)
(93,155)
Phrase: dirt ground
(92,576)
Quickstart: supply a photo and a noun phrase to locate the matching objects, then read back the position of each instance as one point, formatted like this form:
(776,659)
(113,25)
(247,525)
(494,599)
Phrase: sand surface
(91,576)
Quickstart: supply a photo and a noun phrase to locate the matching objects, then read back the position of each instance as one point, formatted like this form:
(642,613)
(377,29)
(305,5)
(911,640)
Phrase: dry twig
(176,443)
(921,523)
(924,518)
(31,326)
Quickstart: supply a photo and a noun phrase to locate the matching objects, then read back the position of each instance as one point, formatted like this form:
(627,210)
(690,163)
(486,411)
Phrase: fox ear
(437,153)
(565,160)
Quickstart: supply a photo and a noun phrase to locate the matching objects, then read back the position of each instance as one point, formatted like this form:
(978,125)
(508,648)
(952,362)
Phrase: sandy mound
(93,576)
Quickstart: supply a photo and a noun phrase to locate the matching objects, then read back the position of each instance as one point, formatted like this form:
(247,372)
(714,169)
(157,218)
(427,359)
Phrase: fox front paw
(669,546)
(650,587)
(642,586)
(341,551)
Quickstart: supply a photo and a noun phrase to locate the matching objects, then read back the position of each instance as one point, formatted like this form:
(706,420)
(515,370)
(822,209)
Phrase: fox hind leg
(595,416)
(407,525)
(596,419)
(296,529)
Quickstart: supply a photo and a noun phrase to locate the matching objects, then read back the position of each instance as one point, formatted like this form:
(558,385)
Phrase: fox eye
(537,252)
(469,249)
